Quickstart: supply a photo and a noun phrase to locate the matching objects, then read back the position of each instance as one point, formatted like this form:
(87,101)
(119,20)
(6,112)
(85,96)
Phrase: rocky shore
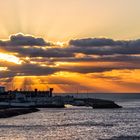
(10,112)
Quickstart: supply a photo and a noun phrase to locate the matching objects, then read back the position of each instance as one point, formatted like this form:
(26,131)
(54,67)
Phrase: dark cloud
(111,58)
(91,68)
(36,70)
(41,52)
(96,46)
(27,70)
(96,42)
(121,54)
(50,52)
(104,46)
(24,40)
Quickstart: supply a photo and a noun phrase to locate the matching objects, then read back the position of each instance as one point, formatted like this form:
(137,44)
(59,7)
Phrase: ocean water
(75,123)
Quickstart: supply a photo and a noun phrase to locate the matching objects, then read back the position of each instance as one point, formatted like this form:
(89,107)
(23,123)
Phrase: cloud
(27,70)
(88,58)
(119,54)
(104,68)
(95,42)
(102,46)
(40,52)
(89,46)
(24,40)
(35,47)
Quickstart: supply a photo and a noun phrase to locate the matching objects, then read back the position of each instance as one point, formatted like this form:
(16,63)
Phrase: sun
(61,44)
(10,58)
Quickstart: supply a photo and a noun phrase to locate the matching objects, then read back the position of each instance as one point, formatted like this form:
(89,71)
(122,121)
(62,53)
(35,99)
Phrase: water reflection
(72,124)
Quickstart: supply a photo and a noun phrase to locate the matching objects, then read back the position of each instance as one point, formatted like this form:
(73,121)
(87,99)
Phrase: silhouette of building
(2,89)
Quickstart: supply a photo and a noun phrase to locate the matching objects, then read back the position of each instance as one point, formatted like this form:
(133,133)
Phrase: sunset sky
(84,45)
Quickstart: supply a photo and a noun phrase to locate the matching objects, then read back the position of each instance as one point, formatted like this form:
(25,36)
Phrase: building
(2,89)
(24,95)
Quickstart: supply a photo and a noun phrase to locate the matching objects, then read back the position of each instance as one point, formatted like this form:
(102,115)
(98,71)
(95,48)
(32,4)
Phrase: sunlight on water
(73,124)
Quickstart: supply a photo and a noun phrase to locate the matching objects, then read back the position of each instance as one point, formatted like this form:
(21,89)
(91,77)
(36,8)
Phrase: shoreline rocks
(11,112)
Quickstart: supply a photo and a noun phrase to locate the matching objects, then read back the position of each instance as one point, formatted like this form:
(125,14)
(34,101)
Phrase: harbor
(46,99)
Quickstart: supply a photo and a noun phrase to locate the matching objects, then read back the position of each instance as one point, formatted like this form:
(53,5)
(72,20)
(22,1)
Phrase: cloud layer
(24,40)
(102,46)
(82,55)
(95,42)
(89,46)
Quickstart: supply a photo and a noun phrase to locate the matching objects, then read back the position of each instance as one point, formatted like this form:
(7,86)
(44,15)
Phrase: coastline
(11,112)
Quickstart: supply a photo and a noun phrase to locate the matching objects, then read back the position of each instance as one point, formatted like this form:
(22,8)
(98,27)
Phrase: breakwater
(95,103)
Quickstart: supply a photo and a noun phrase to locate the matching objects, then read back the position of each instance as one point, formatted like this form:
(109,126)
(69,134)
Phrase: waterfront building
(2,89)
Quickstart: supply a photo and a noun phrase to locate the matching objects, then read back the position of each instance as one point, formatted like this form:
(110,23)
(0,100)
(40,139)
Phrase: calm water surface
(75,124)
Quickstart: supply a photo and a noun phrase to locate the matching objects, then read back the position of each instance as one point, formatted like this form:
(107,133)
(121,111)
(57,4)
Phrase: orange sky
(84,45)
(126,81)
(63,20)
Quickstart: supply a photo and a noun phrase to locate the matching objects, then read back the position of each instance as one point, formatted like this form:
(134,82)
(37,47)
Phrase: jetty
(99,103)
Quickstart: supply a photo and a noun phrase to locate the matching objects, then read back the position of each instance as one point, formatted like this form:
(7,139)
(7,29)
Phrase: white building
(2,89)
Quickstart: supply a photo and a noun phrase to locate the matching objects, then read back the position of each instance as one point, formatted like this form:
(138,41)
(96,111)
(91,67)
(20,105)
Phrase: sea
(78,123)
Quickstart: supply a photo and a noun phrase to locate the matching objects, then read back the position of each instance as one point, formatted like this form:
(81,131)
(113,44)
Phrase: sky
(70,45)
